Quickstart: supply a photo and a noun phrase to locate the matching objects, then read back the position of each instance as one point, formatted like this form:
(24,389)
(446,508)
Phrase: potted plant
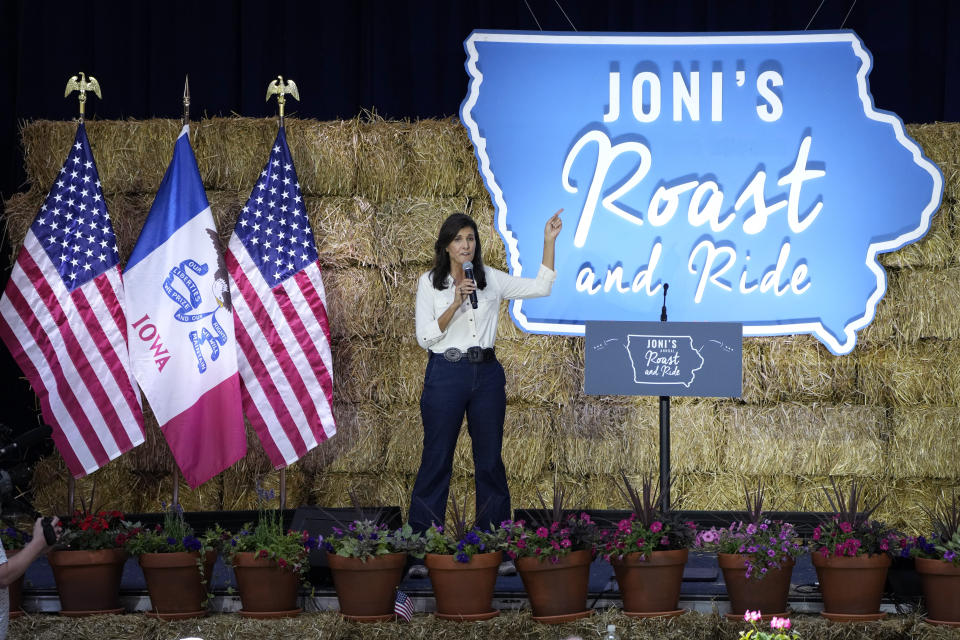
(88,561)
(367,560)
(14,540)
(176,565)
(269,563)
(851,554)
(648,552)
(553,557)
(463,561)
(756,556)
(937,561)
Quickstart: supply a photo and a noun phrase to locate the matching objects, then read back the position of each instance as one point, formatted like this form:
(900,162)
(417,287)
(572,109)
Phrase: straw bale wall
(376,192)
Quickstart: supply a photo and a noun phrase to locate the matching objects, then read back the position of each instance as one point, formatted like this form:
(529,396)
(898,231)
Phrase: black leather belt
(473,354)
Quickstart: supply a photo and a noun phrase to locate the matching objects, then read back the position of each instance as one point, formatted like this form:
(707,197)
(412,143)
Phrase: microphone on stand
(468,272)
(663,309)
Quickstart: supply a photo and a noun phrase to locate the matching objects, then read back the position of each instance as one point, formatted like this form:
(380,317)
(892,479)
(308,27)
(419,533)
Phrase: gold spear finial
(82,85)
(186,101)
(277,87)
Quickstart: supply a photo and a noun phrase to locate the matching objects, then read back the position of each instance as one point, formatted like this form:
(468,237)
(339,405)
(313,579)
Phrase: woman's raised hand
(553,227)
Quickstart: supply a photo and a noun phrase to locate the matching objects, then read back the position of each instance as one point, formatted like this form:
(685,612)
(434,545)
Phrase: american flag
(62,318)
(403,606)
(281,320)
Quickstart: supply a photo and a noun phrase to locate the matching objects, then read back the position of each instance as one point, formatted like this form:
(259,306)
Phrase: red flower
(282,563)
(263,553)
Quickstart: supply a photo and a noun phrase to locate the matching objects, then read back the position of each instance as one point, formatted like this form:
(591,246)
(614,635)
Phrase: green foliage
(267,539)
(366,539)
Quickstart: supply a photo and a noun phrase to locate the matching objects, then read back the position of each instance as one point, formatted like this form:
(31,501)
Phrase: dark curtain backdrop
(401,58)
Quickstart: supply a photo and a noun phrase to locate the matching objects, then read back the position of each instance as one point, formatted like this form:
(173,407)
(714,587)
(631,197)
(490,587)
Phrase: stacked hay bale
(376,192)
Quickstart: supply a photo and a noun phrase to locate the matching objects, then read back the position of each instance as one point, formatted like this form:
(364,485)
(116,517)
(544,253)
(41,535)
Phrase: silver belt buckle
(452,354)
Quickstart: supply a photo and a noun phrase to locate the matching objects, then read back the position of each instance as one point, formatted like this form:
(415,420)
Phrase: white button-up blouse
(472,327)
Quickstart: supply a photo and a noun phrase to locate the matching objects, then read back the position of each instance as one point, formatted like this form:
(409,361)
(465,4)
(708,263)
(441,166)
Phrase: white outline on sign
(814,328)
(693,372)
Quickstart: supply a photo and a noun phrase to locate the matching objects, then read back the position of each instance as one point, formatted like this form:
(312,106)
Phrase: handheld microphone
(28,439)
(468,272)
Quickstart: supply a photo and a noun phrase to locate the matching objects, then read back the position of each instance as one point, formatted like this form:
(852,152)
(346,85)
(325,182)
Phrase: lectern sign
(750,172)
(664,359)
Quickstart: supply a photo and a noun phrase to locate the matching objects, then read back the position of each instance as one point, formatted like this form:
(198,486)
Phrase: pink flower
(780,623)
(709,536)
(816,533)
(543,532)
(565,543)
(656,526)
(846,527)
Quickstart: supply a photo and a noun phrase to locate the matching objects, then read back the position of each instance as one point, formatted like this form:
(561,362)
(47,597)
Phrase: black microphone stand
(664,431)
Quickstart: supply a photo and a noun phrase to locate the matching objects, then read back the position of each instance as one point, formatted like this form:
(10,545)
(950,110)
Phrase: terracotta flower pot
(558,591)
(266,590)
(464,590)
(15,591)
(177,588)
(851,587)
(652,585)
(88,581)
(941,590)
(767,594)
(367,590)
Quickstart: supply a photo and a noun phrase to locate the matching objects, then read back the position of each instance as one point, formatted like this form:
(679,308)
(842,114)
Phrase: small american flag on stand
(403,606)
(62,318)
(281,320)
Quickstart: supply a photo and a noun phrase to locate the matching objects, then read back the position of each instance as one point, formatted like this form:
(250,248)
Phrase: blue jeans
(450,390)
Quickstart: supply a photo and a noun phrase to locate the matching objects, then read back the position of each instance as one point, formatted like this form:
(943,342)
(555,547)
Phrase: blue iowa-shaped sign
(750,172)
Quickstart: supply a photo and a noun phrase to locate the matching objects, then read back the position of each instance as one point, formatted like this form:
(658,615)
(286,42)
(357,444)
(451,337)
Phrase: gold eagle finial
(281,90)
(82,85)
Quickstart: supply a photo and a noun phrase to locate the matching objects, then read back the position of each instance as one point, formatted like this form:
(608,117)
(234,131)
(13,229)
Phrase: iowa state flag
(180,325)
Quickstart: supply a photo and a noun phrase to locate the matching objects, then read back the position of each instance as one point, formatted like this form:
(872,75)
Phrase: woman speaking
(458,302)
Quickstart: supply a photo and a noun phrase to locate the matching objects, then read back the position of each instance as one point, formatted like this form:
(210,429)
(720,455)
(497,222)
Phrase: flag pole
(184,121)
(71,493)
(280,88)
(81,84)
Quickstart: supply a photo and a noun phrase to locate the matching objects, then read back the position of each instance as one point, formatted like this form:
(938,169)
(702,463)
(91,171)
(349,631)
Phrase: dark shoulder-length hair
(441,259)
